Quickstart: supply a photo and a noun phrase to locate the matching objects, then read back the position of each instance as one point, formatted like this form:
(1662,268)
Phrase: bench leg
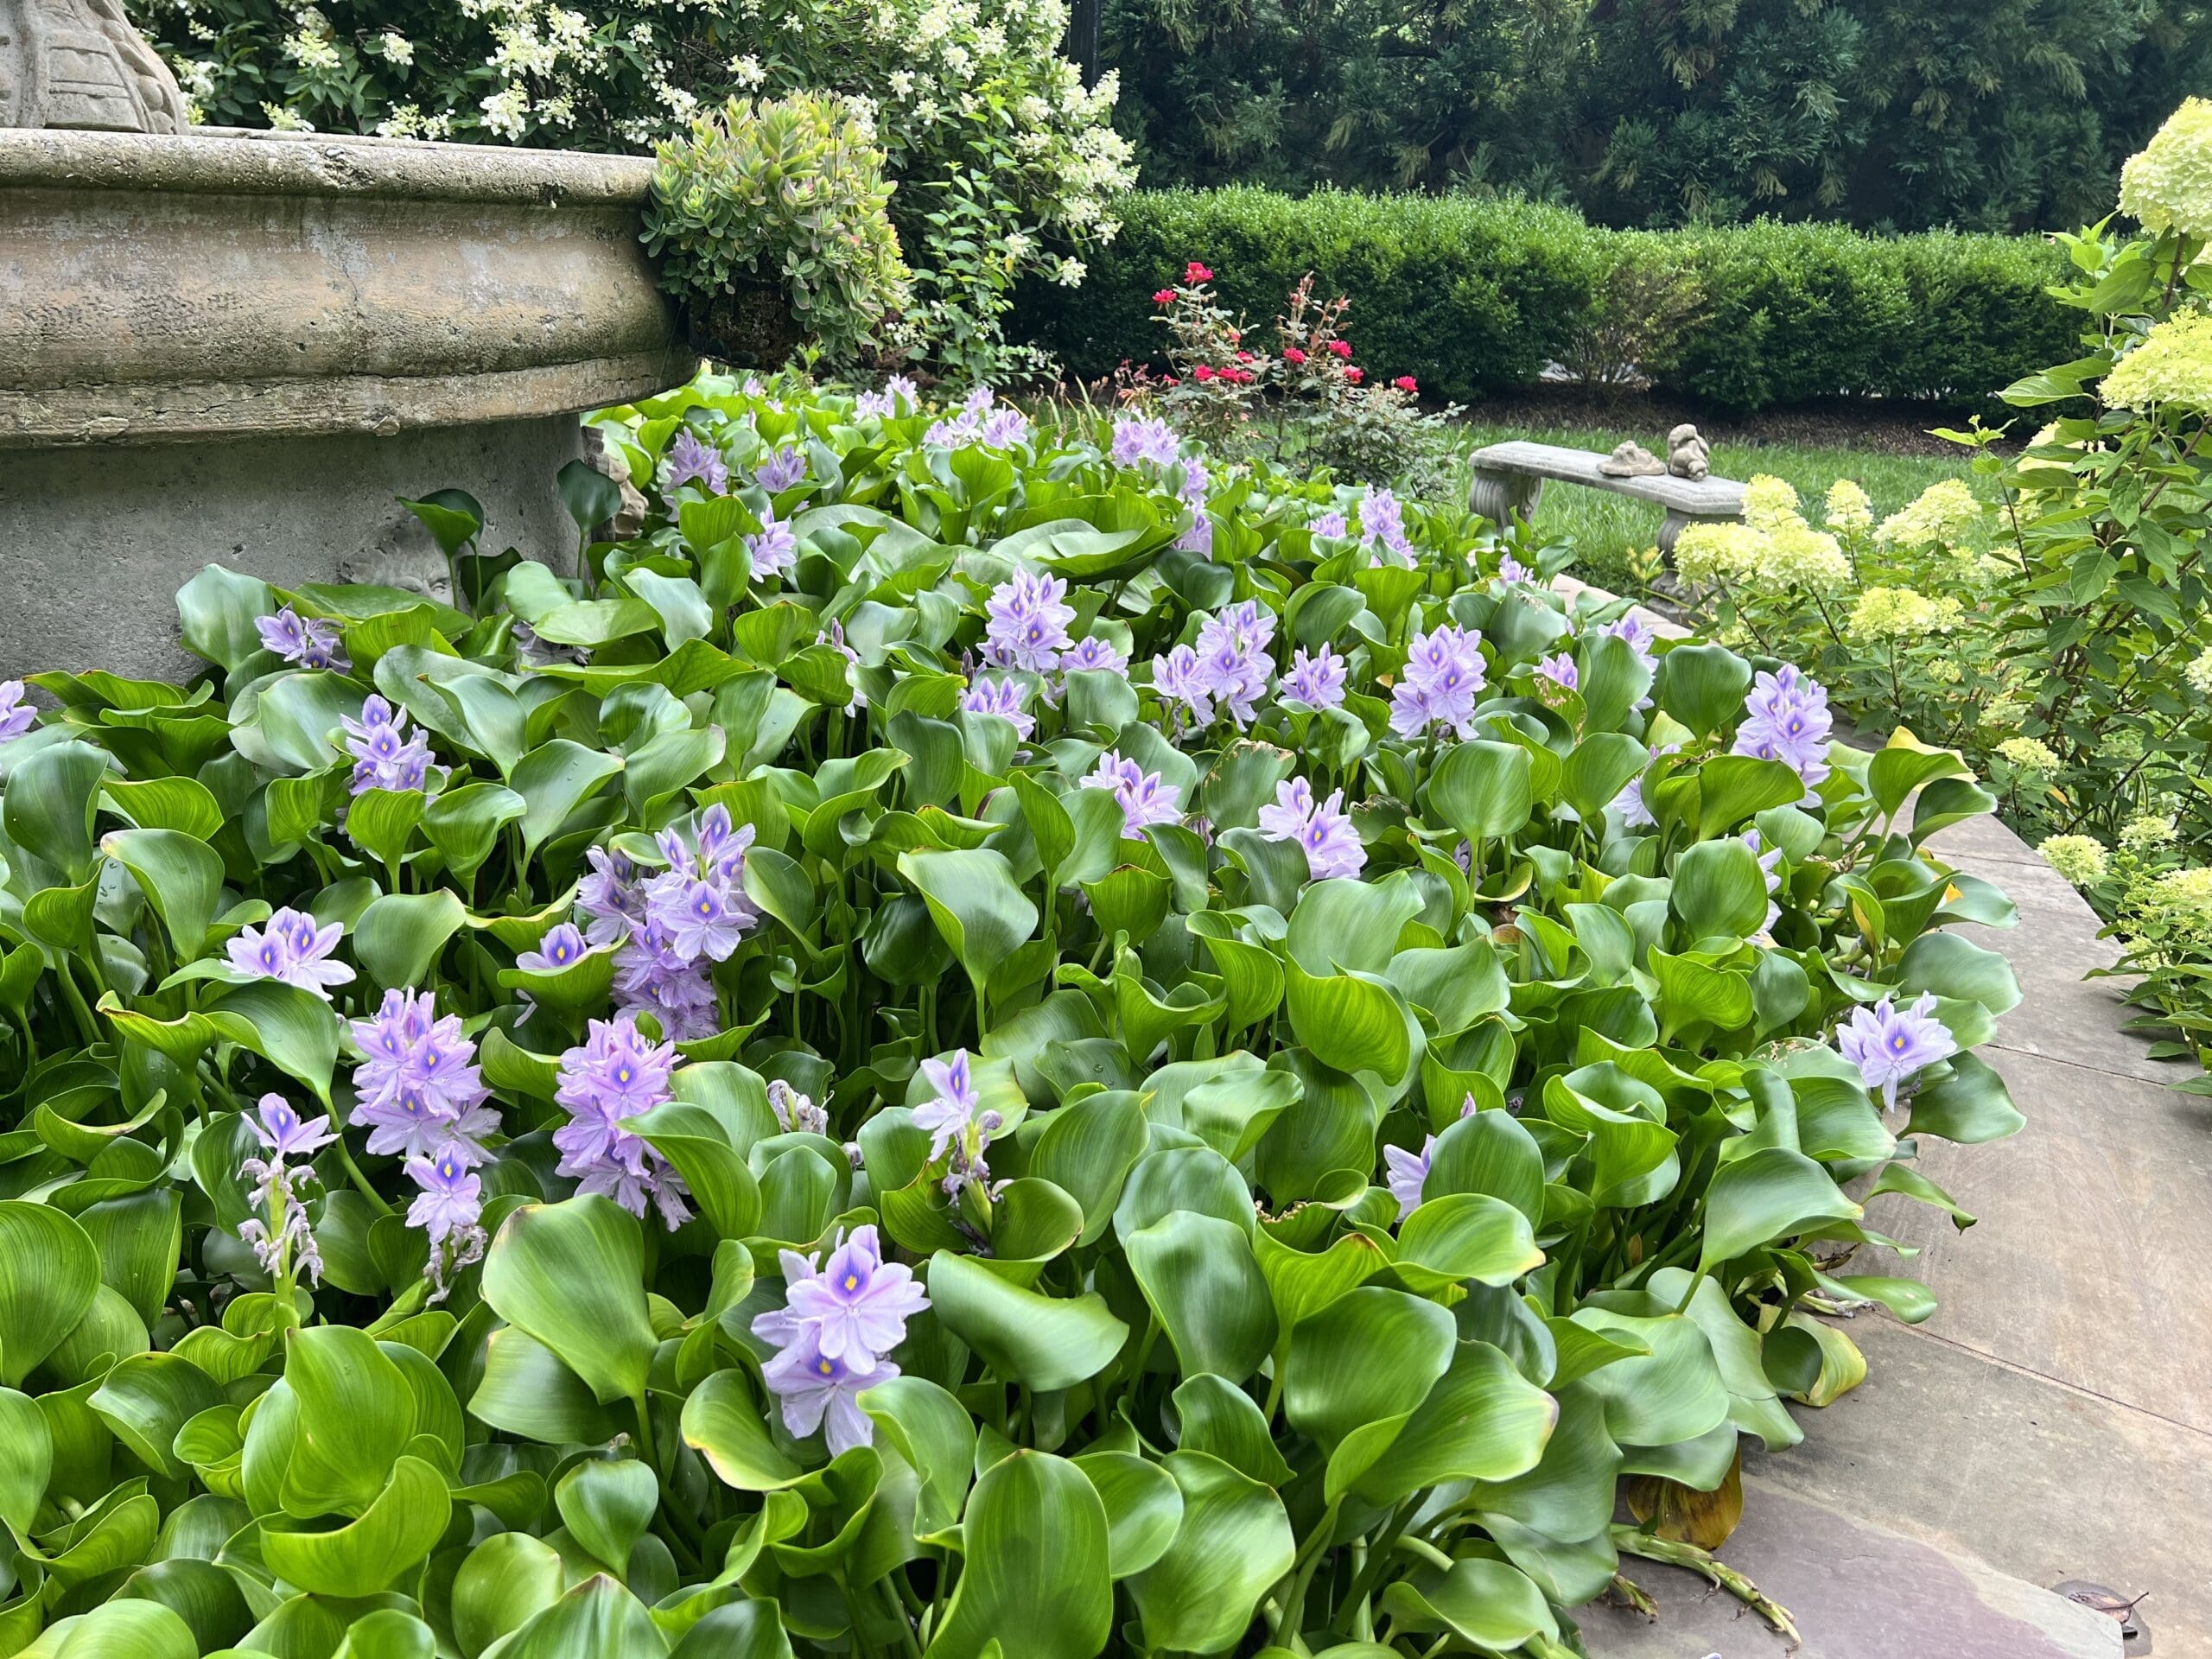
(1499,496)
(1671,529)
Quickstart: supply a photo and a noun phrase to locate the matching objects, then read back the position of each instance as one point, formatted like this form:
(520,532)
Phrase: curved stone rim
(378,406)
(234,162)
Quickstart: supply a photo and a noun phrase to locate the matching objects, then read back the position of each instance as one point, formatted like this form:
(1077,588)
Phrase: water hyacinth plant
(995,1082)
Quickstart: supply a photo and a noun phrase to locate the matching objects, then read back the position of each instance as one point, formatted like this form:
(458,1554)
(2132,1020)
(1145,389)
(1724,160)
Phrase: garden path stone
(2053,1419)
(1857,1591)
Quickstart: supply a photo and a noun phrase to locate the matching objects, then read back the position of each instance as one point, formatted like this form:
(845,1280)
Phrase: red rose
(1292,355)
(1355,375)
(1169,380)
(1195,273)
(1243,357)
(1341,348)
(1166,296)
(1202,372)
(1405,383)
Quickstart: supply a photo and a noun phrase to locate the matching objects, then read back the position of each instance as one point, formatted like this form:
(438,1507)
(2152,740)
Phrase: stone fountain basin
(244,347)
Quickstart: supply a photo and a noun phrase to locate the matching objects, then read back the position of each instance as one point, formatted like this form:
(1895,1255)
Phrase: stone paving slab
(2039,1481)
(1857,1591)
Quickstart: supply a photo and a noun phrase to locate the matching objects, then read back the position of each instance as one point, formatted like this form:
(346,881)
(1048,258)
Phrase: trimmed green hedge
(1478,297)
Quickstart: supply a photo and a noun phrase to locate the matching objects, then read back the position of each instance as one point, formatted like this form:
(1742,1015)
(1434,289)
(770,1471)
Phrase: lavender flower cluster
(839,1322)
(291,949)
(1443,670)
(387,754)
(983,419)
(1321,830)
(672,926)
(1227,671)
(618,1072)
(310,642)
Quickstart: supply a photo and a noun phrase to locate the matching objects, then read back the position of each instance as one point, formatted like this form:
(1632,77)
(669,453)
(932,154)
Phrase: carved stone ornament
(79,64)
(1631,461)
(1687,455)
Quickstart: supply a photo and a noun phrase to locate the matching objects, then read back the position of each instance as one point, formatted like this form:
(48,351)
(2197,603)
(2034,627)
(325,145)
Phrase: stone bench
(1509,478)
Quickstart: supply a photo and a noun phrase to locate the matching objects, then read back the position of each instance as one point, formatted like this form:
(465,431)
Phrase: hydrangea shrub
(1006,165)
(972,1078)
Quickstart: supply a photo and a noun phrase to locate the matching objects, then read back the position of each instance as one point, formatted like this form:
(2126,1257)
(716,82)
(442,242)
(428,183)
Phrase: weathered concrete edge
(210,161)
(137,413)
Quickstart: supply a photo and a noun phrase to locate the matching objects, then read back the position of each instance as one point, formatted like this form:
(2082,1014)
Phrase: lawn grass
(1606,529)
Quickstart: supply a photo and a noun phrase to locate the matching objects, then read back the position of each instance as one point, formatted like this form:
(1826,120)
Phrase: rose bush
(909,1062)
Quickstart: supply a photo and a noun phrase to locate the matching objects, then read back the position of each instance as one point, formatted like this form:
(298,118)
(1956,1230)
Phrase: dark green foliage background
(1888,114)
(1475,296)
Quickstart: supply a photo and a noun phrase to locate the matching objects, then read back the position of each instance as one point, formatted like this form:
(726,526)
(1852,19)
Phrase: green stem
(361,1181)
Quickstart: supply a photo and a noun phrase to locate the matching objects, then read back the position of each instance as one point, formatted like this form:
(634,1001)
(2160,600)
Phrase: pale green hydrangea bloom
(2169,185)
(1850,511)
(2080,858)
(1770,502)
(2029,754)
(1707,553)
(1901,614)
(1797,556)
(2199,673)
(1942,515)
(2186,894)
(2173,365)
(2146,830)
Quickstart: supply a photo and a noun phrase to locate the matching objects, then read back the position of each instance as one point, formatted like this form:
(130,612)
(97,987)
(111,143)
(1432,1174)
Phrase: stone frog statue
(79,64)
(1687,455)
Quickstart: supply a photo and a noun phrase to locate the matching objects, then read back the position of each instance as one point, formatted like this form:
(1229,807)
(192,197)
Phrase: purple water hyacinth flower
(1093,652)
(1196,481)
(780,471)
(452,1196)
(833,637)
(854,1308)
(312,642)
(691,460)
(816,1391)
(1138,438)
(563,946)
(1004,428)
(449,1209)
(697,908)
(902,388)
(1637,634)
(1443,670)
(617,1073)
(289,948)
(1316,681)
(794,1113)
(704,920)
(1232,654)
(279,1234)
(1027,623)
(610,897)
(1332,845)
(953,434)
(1512,572)
(1768,858)
(1332,525)
(1629,802)
(1786,718)
(1382,527)
(873,405)
(650,978)
(1144,799)
(1180,679)
(1198,539)
(17,716)
(979,402)
(386,754)
(420,1090)
(947,1116)
(1003,697)
(284,1134)
(1559,668)
(1408,1173)
(775,551)
(1889,1044)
